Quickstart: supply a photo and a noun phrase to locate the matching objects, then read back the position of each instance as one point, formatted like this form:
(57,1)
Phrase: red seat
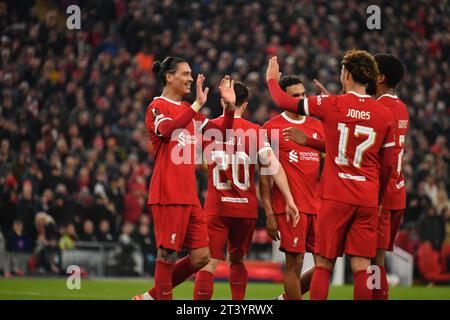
(429,267)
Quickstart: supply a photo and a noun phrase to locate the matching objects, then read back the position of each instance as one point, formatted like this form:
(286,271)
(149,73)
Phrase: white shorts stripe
(351,177)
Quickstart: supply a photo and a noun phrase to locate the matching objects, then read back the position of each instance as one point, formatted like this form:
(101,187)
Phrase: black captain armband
(301,107)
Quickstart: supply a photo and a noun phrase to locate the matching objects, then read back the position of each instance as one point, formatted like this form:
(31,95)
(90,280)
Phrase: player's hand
(295,135)
(273,70)
(292,213)
(227,93)
(272,227)
(321,88)
(202,95)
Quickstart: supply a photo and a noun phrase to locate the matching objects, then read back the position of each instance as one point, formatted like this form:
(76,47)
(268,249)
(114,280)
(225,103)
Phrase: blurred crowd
(74,151)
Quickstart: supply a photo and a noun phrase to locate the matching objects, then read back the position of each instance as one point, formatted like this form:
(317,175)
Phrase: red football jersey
(231,171)
(356,128)
(301,164)
(395,196)
(173,178)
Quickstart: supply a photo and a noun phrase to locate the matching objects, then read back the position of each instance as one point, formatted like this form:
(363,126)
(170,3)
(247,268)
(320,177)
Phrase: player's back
(356,128)
(395,196)
(231,169)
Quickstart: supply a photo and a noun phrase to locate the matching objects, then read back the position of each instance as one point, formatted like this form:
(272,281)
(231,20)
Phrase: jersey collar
(285,116)
(360,95)
(388,95)
(169,100)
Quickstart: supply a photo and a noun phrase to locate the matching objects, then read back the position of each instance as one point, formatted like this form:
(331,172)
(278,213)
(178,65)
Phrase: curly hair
(361,65)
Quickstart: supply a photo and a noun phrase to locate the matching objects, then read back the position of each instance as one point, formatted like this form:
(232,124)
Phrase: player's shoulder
(162,105)
(246,124)
(325,99)
(273,121)
(394,103)
(384,113)
(217,120)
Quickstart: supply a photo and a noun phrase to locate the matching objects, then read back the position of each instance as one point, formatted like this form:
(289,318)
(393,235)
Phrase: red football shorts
(346,228)
(179,226)
(388,225)
(298,239)
(238,232)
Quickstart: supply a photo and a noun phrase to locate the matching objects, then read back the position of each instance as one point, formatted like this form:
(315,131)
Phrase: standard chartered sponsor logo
(309,156)
(293,156)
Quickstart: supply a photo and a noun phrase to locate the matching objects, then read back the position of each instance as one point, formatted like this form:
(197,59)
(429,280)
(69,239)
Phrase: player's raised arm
(165,128)
(300,138)
(281,98)
(228,95)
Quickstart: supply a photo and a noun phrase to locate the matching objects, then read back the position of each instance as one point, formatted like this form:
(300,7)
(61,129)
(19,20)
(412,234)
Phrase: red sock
(238,281)
(361,290)
(163,280)
(383,292)
(204,285)
(319,284)
(182,270)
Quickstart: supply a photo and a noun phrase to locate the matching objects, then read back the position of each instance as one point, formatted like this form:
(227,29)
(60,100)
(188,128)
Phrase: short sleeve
(317,105)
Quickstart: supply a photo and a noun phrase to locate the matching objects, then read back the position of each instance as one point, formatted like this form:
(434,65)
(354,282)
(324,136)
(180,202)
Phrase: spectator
(17,242)
(68,237)
(146,241)
(129,257)
(104,232)
(27,207)
(88,232)
(431,228)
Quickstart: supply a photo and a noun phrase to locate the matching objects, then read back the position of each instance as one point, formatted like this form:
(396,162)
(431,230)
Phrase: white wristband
(196,106)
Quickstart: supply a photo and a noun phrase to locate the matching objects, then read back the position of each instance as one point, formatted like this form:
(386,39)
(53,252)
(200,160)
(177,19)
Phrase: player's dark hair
(391,67)
(288,81)
(361,65)
(242,93)
(168,65)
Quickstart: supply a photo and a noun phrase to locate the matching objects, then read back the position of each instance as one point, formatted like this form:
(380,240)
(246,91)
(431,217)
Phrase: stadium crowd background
(74,152)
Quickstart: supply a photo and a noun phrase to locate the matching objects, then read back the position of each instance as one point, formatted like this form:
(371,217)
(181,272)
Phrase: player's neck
(170,94)
(357,88)
(385,90)
(293,116)
(237,113)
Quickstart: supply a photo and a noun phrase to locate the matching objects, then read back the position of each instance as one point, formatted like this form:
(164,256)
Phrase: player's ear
(169,77)
(244,106)
(381,78)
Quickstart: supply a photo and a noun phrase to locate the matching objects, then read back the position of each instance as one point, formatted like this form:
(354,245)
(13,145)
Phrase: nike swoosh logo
(203,293)
(166,293)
